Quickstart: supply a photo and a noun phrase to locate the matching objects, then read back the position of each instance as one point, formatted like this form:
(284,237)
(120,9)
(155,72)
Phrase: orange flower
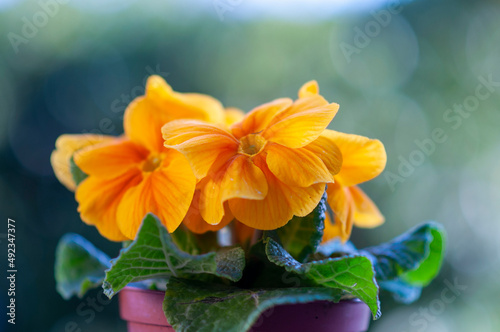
(270,166)
(135,174)
(362,159)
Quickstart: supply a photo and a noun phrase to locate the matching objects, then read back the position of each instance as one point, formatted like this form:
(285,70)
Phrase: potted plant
(234,222)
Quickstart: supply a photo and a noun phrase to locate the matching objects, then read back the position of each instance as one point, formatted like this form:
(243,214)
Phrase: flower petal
(243,179)
(195,222)
(270,213)
(233,115)
(281,203)
(200,142)
(328,152)
(366,213)
(341,203)
(260,117)
(99,199)
(166,192)
(111,159)
(302,201)
(237,177)
(298,106)
(302,123)
(66,146)
(363,158)
(179,131)
(331,230)
(145,116)
(200,106)
(334,229)
(296,167)
(309,89)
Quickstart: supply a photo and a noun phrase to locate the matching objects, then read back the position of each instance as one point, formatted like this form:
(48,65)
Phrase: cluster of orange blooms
(192,162)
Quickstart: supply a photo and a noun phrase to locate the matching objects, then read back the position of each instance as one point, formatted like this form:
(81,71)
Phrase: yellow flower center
(152,163)
(251,144)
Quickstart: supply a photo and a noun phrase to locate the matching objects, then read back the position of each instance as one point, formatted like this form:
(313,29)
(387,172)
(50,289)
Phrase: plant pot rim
(143,310)
(142,305)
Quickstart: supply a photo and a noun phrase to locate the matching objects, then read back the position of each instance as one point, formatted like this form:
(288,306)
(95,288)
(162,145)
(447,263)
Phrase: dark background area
(83,64)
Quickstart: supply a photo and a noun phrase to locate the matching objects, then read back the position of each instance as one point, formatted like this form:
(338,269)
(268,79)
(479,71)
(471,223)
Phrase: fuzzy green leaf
(351,274)
(79,266)
(192,306)
(415,256)
(302,235)
(410,261)
(153,254)
(430,266)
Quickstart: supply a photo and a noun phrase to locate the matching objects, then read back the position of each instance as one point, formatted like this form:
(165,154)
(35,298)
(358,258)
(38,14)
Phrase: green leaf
(186,241)
(430,266)
(79,266)
(302,235)
(76,172)
(153,254)
(410,261)
(261,273)
(419,250)
(352,274)
(192,306)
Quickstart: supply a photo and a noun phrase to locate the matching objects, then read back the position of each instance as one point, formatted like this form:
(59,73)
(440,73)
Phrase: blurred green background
(399,70)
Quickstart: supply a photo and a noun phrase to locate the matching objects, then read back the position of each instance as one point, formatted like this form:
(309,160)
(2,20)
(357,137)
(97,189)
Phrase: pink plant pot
(142,310)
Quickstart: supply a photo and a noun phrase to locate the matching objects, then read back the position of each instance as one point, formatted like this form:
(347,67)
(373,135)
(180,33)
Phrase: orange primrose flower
(135,174)
(268,167)
(362,159)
